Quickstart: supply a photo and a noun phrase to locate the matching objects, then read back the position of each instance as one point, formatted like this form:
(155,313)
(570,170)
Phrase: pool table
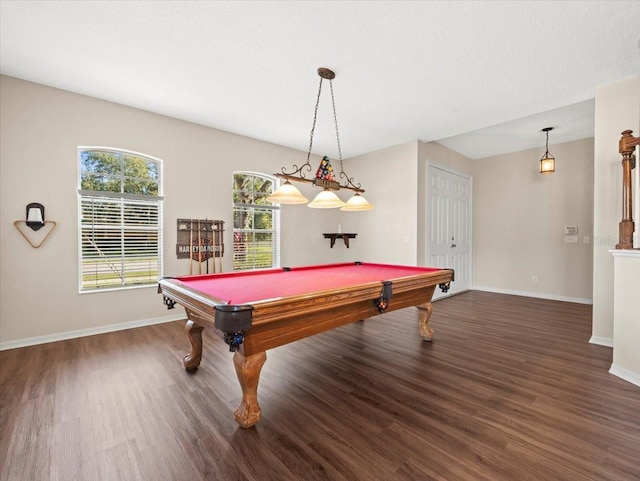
(261,309)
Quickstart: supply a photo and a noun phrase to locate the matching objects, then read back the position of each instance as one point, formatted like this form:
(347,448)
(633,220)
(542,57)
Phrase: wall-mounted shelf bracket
(338,235)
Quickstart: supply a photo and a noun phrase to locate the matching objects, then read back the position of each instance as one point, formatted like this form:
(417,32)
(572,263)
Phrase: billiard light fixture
(325,178)
(548,161)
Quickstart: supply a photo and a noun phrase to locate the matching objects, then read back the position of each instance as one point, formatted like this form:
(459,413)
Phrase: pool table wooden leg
(248,371)
(424,311)
(194,333)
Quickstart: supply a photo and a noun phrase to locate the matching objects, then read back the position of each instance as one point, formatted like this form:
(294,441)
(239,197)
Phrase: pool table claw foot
(248,370)
(247,415)
(424,311)
(194,333)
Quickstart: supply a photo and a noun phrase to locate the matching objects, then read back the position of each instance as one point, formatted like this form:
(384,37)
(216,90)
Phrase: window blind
(121,241)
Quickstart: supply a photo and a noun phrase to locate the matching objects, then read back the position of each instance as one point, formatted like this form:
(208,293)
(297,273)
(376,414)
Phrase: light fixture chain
(349,182)
(547,141)
(335,119)
(315,116)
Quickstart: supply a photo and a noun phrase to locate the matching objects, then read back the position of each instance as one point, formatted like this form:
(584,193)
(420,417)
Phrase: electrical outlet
(534,279)
(586,240)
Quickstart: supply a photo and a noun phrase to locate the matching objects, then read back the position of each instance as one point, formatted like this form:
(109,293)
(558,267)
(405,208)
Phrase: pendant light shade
(287,193)
(547,164)
(326,200)
(356,203)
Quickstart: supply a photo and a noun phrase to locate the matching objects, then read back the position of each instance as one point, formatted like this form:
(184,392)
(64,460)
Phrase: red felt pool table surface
(245,287)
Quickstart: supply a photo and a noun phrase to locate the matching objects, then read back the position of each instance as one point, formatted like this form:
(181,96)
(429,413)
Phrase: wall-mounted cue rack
(200,240)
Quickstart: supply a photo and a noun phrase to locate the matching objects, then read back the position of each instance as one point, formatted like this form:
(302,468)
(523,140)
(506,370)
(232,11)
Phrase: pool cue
(207,238)
(220,231)
(199,249)
(190,246)
(215,246)
(214,242)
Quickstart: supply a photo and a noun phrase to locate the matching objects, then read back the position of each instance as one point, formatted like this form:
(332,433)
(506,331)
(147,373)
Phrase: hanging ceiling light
(287,193)
(326,200)
(325,177)
(357,203)
(548,161)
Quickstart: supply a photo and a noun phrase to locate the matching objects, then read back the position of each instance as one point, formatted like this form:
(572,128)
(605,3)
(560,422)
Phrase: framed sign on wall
(200,240)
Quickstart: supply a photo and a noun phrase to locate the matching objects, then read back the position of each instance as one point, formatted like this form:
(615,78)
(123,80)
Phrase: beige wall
(519,216)
(626,306)
(387,234)
(396,183)
(516,210)
(41,128)
(617,109)
(442,156)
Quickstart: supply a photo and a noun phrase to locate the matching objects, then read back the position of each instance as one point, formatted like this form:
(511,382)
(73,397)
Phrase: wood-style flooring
(510,389)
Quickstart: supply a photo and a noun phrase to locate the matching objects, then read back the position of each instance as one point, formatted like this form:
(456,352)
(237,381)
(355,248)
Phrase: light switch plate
(571,239)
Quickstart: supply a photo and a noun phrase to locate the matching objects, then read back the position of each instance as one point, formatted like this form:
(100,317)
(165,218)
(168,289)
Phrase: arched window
(256,222)
(120,215)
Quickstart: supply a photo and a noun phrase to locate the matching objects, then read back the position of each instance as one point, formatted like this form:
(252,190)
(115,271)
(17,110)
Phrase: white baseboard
(601,341)
(61,336)
(539,295)
(622,373)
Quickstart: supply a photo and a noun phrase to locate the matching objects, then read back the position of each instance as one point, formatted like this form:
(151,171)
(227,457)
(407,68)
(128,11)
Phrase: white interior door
(449,226)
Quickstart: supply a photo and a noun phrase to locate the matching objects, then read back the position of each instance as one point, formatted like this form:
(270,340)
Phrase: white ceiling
(481,77)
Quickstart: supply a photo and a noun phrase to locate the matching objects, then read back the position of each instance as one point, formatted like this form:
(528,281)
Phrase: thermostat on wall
(570,230)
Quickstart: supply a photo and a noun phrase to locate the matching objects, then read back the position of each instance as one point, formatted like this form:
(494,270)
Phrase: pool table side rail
(186,296)
(316,319)
(269,310)
(280,321)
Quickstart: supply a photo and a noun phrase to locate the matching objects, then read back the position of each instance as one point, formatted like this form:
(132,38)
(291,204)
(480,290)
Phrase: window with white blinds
(120,210)
(256,222)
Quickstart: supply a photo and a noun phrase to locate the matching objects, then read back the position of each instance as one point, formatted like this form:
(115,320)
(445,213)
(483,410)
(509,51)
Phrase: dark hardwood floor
(509,389)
